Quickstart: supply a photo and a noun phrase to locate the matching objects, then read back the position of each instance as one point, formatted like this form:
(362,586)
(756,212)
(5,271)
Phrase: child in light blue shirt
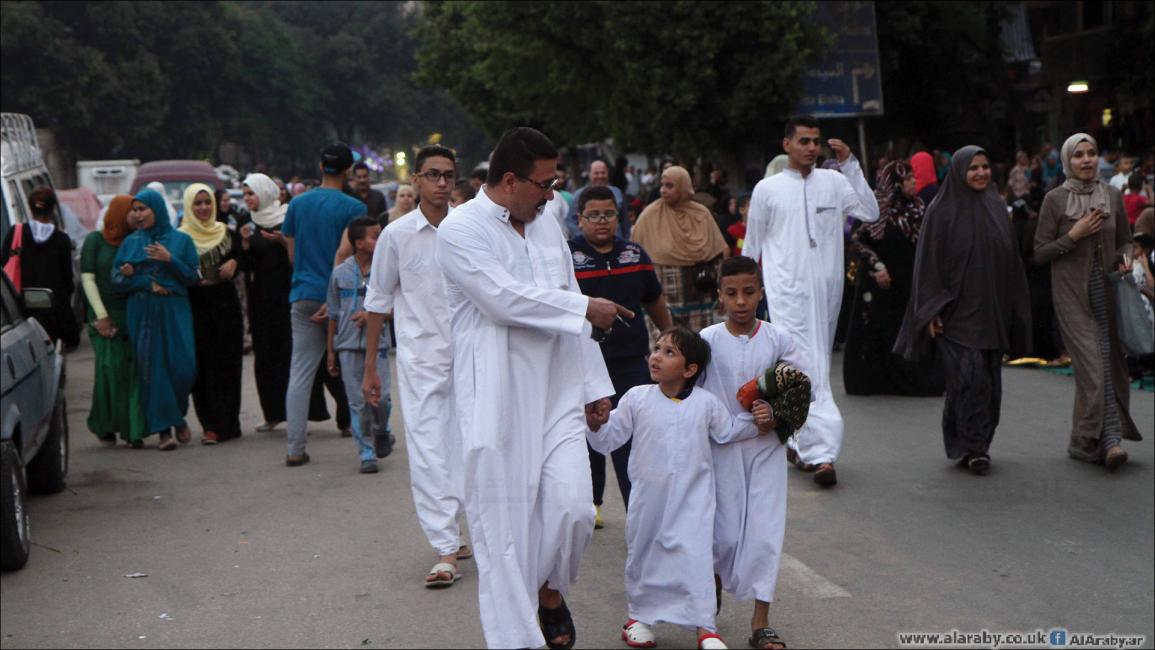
(346,348)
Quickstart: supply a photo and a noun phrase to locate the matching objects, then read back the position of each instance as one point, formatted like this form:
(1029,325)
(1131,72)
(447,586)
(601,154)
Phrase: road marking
(810,582)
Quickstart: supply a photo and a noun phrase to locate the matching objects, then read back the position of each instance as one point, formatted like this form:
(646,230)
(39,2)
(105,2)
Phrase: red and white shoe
(637,634)
(711,641)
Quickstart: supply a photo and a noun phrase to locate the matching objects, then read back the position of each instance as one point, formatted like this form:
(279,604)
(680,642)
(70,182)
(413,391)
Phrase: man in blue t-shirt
(314,234)
(610,267)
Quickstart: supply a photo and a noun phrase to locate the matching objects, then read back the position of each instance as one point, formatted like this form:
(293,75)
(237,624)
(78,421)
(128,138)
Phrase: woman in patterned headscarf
(116,404)
(1083,234)
(884,255)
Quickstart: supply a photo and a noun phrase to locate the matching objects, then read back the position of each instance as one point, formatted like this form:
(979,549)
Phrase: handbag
(12,266)
(1135,332)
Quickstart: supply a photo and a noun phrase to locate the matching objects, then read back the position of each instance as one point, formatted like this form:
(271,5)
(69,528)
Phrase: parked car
(33,416)
(176,175)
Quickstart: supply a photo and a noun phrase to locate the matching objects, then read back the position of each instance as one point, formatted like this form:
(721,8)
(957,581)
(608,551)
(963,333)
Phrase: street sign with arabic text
(848,82)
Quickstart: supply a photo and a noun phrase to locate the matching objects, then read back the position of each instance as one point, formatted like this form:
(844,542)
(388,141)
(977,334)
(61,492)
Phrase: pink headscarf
(924,173)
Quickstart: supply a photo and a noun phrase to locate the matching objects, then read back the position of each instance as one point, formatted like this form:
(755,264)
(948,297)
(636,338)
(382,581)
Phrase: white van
(23,170)
(106,178)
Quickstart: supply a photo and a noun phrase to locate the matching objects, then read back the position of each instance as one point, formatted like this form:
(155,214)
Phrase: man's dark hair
(431,151)
(740,265)
(465,189)
(516,152)
(358,226)
(1135,181)
(808,121)
(480,174)
(692,346)
(595,193)
(360,164)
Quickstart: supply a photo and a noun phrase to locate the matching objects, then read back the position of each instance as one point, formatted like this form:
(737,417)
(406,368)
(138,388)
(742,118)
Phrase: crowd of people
(540,327)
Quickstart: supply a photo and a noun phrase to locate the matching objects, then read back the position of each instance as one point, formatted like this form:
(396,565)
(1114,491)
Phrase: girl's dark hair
(692,346)
(42,201)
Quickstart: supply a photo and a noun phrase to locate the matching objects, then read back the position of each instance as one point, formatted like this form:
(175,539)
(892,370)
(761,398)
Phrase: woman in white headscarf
(1083,234)
(169,213)
(777,165)
(269,279)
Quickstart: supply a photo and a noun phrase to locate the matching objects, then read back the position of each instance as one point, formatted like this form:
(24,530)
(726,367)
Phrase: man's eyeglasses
(434,175)
(544,186)
(600,217)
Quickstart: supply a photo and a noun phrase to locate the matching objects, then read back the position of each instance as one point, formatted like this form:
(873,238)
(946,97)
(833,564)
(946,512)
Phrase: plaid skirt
(688,306)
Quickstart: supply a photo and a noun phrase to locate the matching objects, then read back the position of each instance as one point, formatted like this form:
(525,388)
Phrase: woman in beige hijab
(686,247)
(1083,234)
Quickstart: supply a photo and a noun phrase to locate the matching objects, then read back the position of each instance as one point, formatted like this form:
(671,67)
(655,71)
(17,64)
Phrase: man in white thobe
(795,227)
(405,280)
(524,367)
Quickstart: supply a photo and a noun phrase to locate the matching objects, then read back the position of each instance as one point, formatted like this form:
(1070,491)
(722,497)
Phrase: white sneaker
(711,642)
(637,634)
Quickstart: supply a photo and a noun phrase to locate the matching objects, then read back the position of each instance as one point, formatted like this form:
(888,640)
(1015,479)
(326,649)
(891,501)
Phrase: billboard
(848,83)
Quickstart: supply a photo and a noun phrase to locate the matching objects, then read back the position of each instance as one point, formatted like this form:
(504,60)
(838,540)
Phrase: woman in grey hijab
(969,303)
(1083,233)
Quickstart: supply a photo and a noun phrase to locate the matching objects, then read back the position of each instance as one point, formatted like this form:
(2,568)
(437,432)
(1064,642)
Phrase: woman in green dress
(116,406)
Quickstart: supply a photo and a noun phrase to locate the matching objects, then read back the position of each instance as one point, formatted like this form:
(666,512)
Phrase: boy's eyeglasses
(600,217)
(434,175)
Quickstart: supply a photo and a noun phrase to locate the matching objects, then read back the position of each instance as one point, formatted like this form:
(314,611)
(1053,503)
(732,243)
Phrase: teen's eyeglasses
(435,175)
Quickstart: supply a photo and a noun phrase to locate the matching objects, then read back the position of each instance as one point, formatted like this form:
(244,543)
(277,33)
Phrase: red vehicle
(176,175)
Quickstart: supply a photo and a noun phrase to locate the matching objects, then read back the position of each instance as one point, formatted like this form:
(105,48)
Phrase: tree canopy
(713,78)
(277,80)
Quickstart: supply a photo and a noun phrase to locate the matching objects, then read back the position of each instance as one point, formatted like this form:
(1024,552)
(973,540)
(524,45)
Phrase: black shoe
(368,467)
(383,444)
(979,464)
(296,461)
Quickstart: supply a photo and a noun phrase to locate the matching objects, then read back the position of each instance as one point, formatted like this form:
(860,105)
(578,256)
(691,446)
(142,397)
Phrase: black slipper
(557,622)
(763,636)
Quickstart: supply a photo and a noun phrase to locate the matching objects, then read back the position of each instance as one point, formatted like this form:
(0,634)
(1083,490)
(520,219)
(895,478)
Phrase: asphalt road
(241,551)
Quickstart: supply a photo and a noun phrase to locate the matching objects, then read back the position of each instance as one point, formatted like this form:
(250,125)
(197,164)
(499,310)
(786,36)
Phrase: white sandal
(637,634)
(438,569)
(711,642)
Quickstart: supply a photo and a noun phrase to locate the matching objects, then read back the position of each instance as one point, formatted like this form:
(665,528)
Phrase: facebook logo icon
(1057,638)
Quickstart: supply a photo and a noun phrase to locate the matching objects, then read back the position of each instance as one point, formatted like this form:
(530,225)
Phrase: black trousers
(974,395)
(625,374)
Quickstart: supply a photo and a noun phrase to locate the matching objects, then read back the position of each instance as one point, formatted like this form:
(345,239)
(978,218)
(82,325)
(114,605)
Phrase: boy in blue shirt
(346,345)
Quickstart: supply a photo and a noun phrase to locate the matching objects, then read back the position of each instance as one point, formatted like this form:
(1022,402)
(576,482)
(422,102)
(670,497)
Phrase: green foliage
(683,77)
(178,79)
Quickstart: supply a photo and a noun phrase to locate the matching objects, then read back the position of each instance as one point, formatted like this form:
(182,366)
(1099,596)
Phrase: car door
(23,367)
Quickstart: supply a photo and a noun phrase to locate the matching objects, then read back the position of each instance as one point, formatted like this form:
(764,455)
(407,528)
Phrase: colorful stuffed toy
(787,390)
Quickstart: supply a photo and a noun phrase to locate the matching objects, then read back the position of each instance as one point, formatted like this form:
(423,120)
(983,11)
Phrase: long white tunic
(750,476)
(669,556)
(524,367)
(406,280)
(795,227)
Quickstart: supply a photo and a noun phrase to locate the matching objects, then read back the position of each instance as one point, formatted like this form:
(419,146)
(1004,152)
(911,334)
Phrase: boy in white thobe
(669,561)
(407,281)
(750,476)
(795,229)
(521,347)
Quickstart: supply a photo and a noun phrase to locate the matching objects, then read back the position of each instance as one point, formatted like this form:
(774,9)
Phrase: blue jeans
(368,422)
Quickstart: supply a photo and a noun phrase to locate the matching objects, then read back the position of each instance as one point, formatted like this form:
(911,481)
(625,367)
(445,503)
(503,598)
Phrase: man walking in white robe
(524,367)
(405,280)
(795,227)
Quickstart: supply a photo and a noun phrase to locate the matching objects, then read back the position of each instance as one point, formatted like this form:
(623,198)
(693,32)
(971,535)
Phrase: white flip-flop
(439,568)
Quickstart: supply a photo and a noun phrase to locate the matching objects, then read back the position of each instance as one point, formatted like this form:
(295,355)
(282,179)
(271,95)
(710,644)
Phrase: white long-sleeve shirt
(795,227)
(669,549)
